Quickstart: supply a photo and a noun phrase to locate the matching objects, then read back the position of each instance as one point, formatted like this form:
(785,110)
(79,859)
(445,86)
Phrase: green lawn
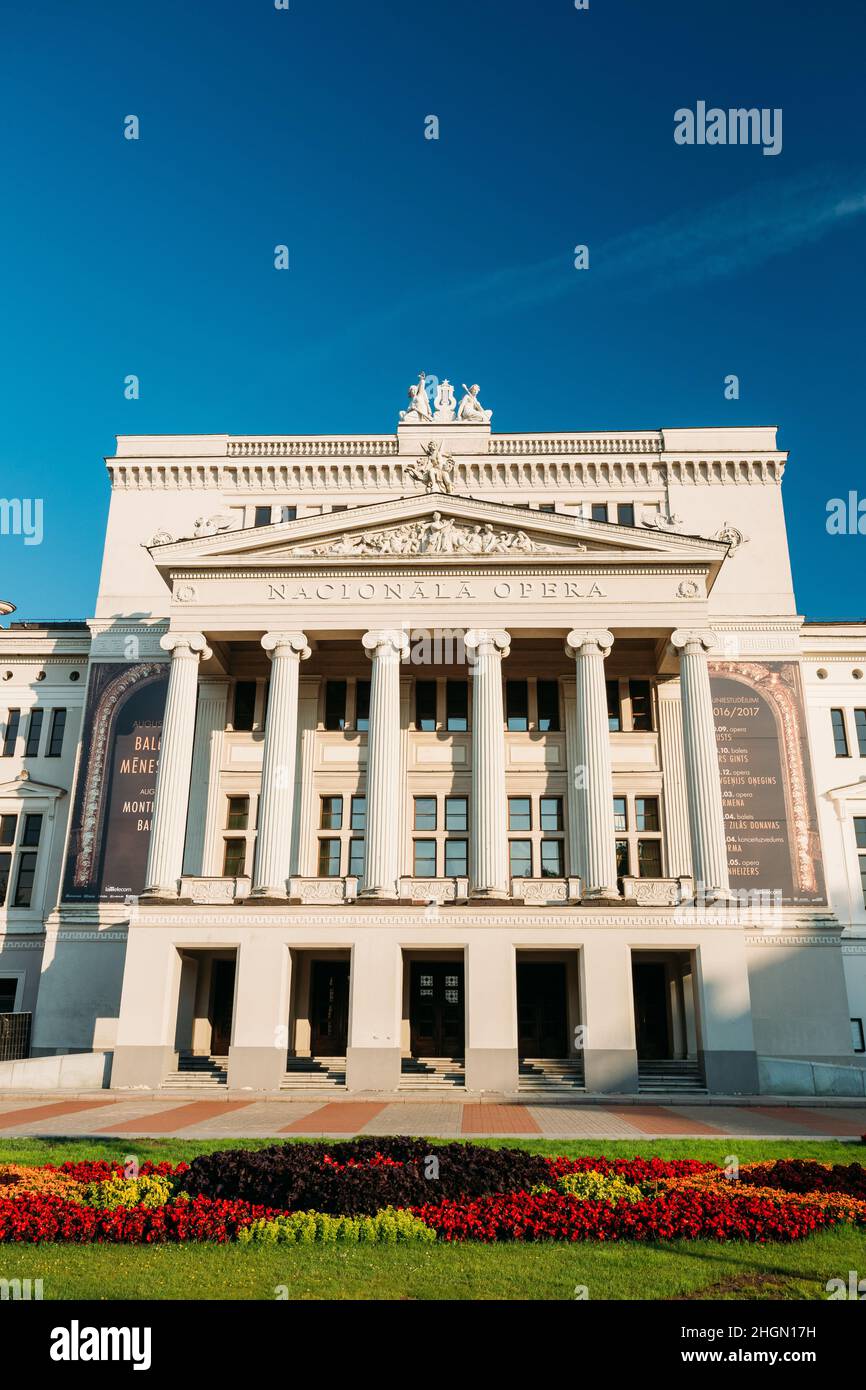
(716,1150)
(685,1269)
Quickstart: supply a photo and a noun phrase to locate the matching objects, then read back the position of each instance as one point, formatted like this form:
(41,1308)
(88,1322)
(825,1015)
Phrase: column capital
(693,639)
(379,640)
(579,638)
(488,641)
(186,644)
(278,644)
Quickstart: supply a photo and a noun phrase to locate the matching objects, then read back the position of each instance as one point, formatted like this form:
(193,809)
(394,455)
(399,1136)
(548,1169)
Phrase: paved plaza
(146,1116)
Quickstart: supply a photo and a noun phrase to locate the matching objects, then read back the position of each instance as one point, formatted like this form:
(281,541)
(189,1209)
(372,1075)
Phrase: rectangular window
(517,706)
(10,737)
(620,813)
(456,858)
(335,704)
(356,858)
(614,713)
(24,881)
(5,871)
(424,859)
(425,706)
(457,706)
(34,733)
(598,511)
(7,829)
(31,832)
(520,858)
(551,859)
(622,859)
(456,813)
(425,813)
(519,813)
(860,838)
(238,817)
(55,738)
(860,726)
(547,506)
(649,858)
(858,1040)
(288,513)
(550,809)
(331,813)
(548,706)
(359,813)
(8,990)
(262,516)
(362,705)
(244,711)
(329,859)
(646,813)
(840,734)
(641,704)
(625,513)
(234,858)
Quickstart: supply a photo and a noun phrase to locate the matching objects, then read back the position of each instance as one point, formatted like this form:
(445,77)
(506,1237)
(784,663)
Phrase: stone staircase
(314,1074)
(670,1078)
(197,1073)
(432,1073)
(550,1076)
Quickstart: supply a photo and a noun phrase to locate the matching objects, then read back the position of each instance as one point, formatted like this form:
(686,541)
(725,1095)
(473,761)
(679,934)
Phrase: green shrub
(599,1187)
(392,1226)
(151,1191)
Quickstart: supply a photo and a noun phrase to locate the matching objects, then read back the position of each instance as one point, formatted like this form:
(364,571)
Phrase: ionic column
(202,823)
(592,772)
(171,800)
(677,837)
(706,817)
(488,857)
(386,650)
(274,837)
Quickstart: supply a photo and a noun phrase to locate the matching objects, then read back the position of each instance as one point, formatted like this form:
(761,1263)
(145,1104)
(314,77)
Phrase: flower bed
(398,1191)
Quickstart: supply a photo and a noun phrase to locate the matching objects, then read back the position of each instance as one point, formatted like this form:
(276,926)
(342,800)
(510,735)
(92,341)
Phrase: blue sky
(306,127)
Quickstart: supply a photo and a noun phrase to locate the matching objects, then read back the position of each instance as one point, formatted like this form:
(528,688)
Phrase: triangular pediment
(23,788)
(436,527)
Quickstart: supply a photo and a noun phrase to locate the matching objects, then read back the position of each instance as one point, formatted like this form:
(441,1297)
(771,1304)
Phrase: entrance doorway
(652,1024)
(222,1006)
(542,1009)
(437,1009)
(329,1008)
(206,1003)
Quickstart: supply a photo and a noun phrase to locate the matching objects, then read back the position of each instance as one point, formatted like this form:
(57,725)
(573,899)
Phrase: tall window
(335,704)
(625,513)
(25,871)
(517,706)
(10,735)
(629,705)
(244,707)
(840,733)
(237,841)
(457,706)
(637,827)
(262,516)
(641,704)
(331,814)
(425,706)
(440,842)
(55,737)
(598,511)
(362,705)
(614,709)
(860,837)
(34,733)
(547,693)
(536,836)
(860,727)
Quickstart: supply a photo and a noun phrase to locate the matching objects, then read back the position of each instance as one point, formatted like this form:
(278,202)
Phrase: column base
(268,895)
(608,1069)
(488,894)
(379,895)
(600,895)
(491,1069)
(161,895)
(372,1068)
(142,1067)
(731,1073)
(256,1068)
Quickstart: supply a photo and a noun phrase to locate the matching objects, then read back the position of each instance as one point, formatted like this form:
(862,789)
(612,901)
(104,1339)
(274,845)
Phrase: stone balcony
(434,890)
(657,892)
(539,892)
(213,890)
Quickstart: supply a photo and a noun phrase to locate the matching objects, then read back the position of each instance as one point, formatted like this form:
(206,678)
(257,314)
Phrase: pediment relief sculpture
(437,535)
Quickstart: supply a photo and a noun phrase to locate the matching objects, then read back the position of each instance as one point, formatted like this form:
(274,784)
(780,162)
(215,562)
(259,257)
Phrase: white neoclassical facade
(439,757)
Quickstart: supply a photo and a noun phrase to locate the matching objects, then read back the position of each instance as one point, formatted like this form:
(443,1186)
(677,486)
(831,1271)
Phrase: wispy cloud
(730,237)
